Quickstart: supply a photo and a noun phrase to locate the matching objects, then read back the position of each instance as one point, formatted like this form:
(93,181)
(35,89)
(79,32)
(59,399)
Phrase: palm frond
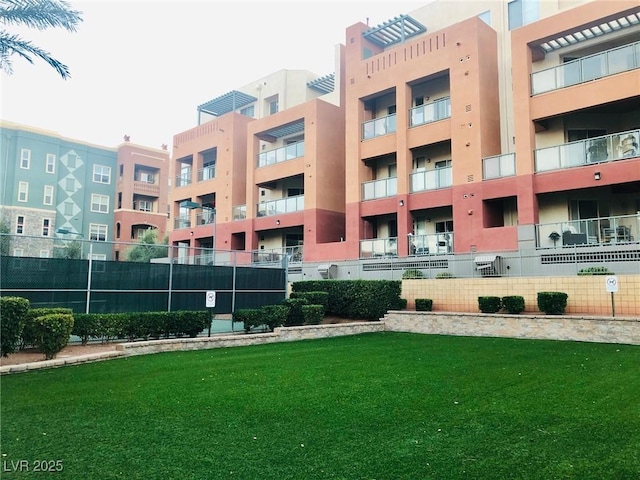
(13,44)
(40,14)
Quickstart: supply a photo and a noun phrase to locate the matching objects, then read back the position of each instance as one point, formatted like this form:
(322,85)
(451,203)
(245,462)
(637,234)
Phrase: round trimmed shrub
(14,313)
(489,304)
(52,333)
(513,303)
(424,304)
(275,315)
(552,303)
(412,273)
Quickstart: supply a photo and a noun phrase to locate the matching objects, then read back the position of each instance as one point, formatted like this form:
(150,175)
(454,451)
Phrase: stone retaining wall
(549,327)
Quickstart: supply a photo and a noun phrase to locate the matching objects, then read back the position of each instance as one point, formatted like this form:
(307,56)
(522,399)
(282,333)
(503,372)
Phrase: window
(23,191)
(418,101)
(20,225)
(101,174)
(522,12)
(391,110)
(143,205)
(99,203)
(25,158)
(18,252)
(47,198)
(273,106)
(50,165)
(146,177)
(44,253)
(248,111)
(446,226)
(46,227)
(98,232)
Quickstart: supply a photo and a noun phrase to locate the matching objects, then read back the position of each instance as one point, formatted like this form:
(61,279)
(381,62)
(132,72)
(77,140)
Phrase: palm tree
(39,14)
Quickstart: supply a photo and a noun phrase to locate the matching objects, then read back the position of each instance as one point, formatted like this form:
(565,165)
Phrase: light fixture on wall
(277,222)
(596,176)
(401,202)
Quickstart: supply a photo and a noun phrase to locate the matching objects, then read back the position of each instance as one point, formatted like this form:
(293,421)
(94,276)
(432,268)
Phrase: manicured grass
(375,406)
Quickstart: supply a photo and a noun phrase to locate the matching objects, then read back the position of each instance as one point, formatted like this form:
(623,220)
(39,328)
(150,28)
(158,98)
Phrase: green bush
(312,314)
(552,303)
(31,328)
(424,304)
(188,322)
(14,313)
(250,317)
(85,326)
(401,304)
(274,315)
(595,271)
(444,275)
(295,316)
(513,303)
(52,333)
(314,298)
(412,273)
(489,304)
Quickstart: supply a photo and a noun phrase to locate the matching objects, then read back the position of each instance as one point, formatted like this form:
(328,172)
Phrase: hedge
(489,304)
(31,327)
(52,333)
(424,304)
(312,314)
(314,298)
(14,313)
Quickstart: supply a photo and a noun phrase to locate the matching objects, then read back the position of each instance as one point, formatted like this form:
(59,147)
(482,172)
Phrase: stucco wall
(587,294)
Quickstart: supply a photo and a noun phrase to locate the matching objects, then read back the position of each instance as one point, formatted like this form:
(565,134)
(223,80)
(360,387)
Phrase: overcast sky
(142,67)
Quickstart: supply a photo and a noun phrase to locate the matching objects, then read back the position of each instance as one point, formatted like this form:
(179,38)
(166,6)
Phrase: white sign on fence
(611,281)
(211,299)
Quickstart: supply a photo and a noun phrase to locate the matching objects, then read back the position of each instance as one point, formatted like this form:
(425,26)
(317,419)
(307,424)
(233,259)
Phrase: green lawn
(376,406)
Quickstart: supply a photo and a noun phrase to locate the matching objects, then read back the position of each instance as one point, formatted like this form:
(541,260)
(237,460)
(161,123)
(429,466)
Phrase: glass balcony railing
(593,231)
(276,255)
(282,154)
(430,112)
(585,152)
(584,69)
(207,173)
(378,127)
(205,217)
(431,179)
(499,166)
(182,221)
(283,205)
(386,187)
(432,244)
(183,179)
(239,212)
(379,247)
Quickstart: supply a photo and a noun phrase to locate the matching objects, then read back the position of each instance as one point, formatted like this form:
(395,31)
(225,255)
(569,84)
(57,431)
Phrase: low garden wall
(550,327)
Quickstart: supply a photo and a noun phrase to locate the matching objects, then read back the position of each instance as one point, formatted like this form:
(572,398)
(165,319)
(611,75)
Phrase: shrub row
(134,325)
(358,299)
(291,312)
(551,303)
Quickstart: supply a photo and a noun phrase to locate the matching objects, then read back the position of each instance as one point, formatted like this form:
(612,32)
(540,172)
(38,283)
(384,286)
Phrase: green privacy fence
(100,286)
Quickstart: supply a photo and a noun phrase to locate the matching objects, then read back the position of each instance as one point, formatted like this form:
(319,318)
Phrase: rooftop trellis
(393,31)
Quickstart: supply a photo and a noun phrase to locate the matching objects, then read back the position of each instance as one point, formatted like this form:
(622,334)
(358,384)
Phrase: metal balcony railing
(282,154)
(588,68)
(585,152)
(379,247)
(430,112)
(378,127)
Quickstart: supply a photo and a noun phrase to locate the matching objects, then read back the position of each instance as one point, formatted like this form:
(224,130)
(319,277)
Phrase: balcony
(239,212)
(430,112)
(182,221)
(587,152)
(588,68)
(283,205)
(431,179)
(207,173)
(378,127)
(379,247)
(433,244)
(386,187)
(621,229)
(499,166)
(275,255)
(145,188)
(183,179)
(205,217)
(282,154)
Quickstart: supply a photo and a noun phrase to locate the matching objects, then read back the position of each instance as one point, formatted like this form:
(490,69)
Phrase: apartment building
(466,127)
(56,190)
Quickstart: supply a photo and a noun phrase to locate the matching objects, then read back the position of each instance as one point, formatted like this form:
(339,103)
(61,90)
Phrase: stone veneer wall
(587,294)
(550,327)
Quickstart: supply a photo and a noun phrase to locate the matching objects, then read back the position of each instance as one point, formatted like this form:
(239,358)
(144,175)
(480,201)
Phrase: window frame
(46,227)
(97,200)
(100,173)
(25,159)
(96,231)
(45,195)
(50,162)
(23,189)
(20,224)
